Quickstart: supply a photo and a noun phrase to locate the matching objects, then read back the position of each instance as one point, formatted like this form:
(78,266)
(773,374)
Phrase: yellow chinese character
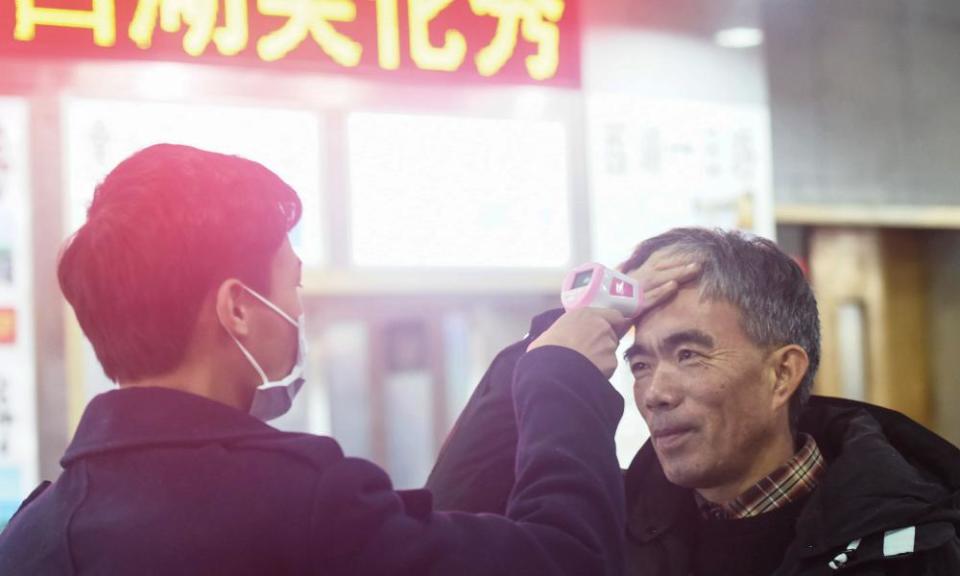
(102,19)
(311,17)
(200,17)
(448,57)
(388,34)
(232,37)
(537,18)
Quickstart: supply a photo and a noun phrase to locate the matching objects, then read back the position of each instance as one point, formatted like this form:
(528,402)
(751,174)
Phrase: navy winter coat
(163,482)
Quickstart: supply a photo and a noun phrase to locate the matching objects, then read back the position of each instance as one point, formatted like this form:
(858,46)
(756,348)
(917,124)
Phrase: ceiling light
(739,38)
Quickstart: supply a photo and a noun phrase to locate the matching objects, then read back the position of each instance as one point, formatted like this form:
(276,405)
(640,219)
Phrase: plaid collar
(796,479)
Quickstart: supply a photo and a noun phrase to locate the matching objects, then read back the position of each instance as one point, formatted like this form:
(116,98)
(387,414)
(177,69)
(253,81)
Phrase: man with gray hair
(745,473)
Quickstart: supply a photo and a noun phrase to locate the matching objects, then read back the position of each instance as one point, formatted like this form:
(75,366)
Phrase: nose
(662,391)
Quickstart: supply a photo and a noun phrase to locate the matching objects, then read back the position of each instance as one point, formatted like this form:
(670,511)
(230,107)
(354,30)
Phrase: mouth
(672,437)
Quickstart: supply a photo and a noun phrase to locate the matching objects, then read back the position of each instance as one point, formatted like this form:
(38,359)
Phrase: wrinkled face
(705,391)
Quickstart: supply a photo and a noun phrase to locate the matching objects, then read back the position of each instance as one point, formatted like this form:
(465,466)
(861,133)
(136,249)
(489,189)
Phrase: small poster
(18,426)
(8,326)
(660,164)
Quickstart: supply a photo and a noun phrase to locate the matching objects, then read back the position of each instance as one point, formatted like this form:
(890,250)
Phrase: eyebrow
(673,342)
(636,350)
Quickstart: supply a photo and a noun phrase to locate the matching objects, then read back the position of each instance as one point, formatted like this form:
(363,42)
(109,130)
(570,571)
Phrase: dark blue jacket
(163,482)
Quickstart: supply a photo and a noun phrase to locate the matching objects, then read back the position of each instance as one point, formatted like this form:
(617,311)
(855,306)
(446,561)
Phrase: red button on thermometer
(596,286)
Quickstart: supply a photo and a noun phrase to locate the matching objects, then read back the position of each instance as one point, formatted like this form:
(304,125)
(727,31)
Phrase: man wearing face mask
(184,281)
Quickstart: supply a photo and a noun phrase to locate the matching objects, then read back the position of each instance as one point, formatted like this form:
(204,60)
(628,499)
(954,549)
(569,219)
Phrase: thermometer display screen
(582,279)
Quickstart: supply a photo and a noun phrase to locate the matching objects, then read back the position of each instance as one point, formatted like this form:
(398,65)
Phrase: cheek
(740,411)
(291,304)
(711,396)
(717,405)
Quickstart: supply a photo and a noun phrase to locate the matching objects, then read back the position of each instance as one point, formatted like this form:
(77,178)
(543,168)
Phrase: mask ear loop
(263,376)
(272,306)
(246,353)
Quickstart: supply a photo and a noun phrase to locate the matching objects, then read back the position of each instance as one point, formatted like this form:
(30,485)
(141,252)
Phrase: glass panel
(852,350)
(345,366)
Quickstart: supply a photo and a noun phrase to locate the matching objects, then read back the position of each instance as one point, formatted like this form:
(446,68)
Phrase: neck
(769,459)
(201,379)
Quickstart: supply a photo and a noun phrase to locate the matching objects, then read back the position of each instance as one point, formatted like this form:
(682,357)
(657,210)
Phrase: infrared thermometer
(596,286)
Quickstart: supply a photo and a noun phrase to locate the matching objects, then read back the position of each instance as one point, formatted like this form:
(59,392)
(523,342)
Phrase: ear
(232,308)
(789,365)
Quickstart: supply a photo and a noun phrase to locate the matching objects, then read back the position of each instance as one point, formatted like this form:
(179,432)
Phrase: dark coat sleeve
(944,560)
(565,514)
(475,469)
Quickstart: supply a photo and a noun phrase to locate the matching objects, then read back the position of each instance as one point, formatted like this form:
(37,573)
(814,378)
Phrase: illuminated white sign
(456,192)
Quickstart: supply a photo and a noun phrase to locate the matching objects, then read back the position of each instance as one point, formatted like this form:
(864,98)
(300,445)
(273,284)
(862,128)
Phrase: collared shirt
(797,478)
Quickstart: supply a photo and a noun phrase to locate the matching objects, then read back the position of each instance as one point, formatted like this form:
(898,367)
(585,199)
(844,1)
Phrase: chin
(679,475)
(686,475)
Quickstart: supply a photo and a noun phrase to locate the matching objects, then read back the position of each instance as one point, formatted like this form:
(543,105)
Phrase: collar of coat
(141,417)
(884,472)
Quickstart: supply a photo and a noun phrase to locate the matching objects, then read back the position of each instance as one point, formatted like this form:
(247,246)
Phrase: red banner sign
(515,41)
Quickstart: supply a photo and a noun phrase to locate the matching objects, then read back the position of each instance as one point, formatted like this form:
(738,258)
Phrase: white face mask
(273,399)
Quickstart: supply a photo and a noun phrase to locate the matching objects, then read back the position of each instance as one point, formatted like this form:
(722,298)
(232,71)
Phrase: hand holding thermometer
(596,286)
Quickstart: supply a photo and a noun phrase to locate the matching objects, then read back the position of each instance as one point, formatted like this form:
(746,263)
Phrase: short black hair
(166,227)
(777,305)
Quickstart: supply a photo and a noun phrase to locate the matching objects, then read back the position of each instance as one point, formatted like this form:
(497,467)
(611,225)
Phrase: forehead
(687,311)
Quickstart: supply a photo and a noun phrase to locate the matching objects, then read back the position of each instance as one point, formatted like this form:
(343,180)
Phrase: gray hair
(777,306)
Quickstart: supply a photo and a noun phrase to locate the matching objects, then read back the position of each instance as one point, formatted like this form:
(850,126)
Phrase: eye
(684,355)
(638,366)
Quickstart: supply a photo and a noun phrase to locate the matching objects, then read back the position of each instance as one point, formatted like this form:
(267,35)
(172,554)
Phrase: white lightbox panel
(98,134)
(430,191)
